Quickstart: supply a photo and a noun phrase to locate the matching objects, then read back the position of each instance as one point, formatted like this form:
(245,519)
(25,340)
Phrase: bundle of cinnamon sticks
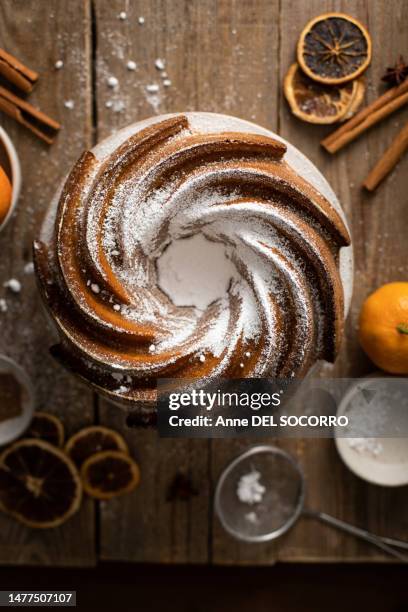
(17,108)
(382,107)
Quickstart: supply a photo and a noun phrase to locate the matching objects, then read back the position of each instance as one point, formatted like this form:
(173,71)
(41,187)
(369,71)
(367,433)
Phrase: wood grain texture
(378,224)
(214,51)
(145,526)
(39,34)
(227,56)
(255,52)
(230,57)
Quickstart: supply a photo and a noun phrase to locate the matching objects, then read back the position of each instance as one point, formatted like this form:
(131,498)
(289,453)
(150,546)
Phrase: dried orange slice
(46,427)
(39,485)
(317,103)
(92,440)
(109,474)
(334,48)
(357,98)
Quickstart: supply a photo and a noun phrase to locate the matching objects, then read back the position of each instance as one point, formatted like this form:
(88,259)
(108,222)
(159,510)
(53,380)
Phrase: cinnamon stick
(387,162)
(16,72)
(29,116)
(383,106)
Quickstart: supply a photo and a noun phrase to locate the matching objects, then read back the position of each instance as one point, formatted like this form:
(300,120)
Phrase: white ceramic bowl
(379,452)
(8,149)
(13,428)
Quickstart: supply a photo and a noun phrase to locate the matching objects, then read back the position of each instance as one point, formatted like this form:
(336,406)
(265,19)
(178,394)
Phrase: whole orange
(383,327)
(5,194)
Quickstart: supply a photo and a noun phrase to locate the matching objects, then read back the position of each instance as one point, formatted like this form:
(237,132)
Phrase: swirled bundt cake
(169,179)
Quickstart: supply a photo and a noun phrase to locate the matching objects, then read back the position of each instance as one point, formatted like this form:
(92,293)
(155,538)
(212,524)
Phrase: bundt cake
(167,179)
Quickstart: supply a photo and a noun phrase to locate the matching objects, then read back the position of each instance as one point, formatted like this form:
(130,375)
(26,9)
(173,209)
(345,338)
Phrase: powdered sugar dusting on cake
(195,271)
(271,289)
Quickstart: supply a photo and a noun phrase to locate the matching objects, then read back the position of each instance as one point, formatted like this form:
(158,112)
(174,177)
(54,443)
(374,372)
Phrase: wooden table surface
(227,56)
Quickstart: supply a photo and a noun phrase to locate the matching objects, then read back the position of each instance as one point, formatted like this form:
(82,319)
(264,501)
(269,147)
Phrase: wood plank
(144,526)
(39,34)
(259,39)
(381,254)
(214,59)
(224,56)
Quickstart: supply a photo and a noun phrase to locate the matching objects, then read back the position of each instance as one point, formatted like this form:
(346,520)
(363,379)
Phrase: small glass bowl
(380,459)
(281,503)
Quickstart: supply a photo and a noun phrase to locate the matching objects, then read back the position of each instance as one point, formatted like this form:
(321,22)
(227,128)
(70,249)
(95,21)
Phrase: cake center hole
(195,271)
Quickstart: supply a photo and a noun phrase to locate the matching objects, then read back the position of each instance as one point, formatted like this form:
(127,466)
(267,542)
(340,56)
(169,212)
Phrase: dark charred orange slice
(46,427)
(109,474)
(334,48)
(318,103)
(92,440)
(39,485)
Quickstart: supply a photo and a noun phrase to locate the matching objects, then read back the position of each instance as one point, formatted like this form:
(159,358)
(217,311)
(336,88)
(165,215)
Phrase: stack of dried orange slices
(42,482)
(102,458)
(325,85)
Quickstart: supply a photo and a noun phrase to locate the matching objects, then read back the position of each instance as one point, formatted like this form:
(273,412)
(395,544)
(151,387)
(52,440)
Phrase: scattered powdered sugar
(69,104)
(250,490)
(13,284)
(371,446)
(118,106)
(117,377)
(29,268)
(160,64)
(112,82)
(153,97)
(3,305)
(131,65)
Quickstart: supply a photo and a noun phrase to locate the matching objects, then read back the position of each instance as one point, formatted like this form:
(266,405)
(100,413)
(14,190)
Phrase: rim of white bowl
(379,479)
(11,429)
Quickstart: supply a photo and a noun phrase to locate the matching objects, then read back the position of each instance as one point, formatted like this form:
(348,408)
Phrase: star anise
(396,74)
